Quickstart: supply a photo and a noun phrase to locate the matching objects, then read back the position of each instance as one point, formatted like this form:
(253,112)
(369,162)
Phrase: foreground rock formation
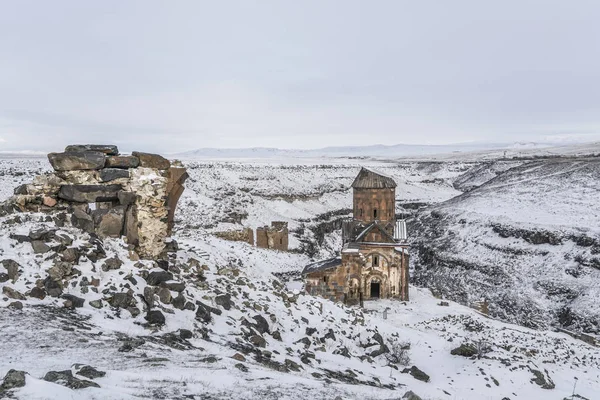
(112,195)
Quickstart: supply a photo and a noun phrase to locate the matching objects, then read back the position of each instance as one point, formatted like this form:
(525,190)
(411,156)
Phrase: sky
(179,75)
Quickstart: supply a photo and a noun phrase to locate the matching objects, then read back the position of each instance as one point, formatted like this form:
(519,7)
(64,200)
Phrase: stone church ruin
(108,194)
(374,258)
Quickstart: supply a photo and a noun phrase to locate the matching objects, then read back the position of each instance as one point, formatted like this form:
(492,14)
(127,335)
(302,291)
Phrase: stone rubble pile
(108,194)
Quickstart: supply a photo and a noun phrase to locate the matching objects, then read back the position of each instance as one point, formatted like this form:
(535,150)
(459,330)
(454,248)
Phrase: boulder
(155,317)
(465,350)
(417,374)
(39,247)
(75,302)
(122,300)
(12,293)
(224,301)
(258,341)
(185,334)
(71,255)
(174,286)
(88,372)
(80,219)
(109,223)
(3,277)
(122,162)
(148,160)
(73,161)
(96,303)
(67,379)
(164,295)
(89,193)
(261,324)
(13,379)
(110,174)
(16,305)
(53,288)
(12,269)
(179,302)
(410,396)
(157,277)
(38,293)
(108,149)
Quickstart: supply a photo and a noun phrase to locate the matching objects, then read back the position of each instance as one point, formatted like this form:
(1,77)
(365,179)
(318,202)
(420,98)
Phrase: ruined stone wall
(241,235)
(365,201)
(109,194)
(275,237)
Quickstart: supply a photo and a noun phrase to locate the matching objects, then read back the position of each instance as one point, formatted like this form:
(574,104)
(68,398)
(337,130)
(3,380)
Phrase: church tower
(374,198)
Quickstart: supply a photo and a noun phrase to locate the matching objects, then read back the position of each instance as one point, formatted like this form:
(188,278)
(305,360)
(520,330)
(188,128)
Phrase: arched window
(361,212)
(374,213)
(375,261)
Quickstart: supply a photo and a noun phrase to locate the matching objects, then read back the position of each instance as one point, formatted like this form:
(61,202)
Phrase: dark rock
(89,372)
(179,302)
(16,305)
(53,288)
(410,396)
(40,247)
(383,349)
(77,160)
(126,198)
(21,189)
(80,219)
(148,160)
(67,379)
(12,269)
(377,337)
(258,341)
(108,149)
(20,238)
(242,367)
(189,306)
(310,331)
(89,193)
(465,350)
(96,303)
(71,255)
(110,174)
(157,277)
(12,293)
(305,341)
(292,365)
(122,162)
(185,334)
(111,264)
(224,301)
(164,295)
(122,300)
(261,324)
(149,296)
(417,374)
(3,277)
(76,302)
(203,312)
(38,293)
(155,317)
(541,379)
(329,335)
(13,379)
(276,335)
(45,235)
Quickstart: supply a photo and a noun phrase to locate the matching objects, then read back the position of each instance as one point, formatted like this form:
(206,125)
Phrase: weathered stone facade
(274,237)
(241,235)
(109,194)
(374,259)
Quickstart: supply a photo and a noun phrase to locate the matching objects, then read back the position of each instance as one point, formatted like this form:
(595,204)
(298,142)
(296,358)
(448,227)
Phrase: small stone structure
(374,258)
(109,194)
(274,237)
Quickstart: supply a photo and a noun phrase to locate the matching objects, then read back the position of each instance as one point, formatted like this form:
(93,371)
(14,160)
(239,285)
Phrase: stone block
(110,174)
(80,219)
(89,193)
(122,162)
(107,149)
(77,160)
(126,198)
(148,160)
(109,223)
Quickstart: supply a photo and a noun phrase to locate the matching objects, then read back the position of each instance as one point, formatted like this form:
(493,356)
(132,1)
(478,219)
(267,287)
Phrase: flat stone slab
(148,160)
(89,193)
(122,162)
(108,149)
(74,161)
(110,174)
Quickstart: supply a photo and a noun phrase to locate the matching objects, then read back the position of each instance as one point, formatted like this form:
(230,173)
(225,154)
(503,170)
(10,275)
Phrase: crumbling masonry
(108,194)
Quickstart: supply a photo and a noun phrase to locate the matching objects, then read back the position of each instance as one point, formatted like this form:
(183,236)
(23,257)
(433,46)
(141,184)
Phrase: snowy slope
(528,240)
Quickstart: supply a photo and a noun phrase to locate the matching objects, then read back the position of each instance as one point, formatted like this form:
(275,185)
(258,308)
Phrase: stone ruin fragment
(112,195)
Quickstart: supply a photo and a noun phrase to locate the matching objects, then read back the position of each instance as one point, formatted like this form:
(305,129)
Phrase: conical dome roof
(369,179)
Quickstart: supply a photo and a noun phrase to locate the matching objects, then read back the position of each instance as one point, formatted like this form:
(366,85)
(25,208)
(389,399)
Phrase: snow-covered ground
(297,356)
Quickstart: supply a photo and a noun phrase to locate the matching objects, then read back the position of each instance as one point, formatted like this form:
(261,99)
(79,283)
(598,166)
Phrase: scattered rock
(16,305)
(122,162)
(12,293)
(13,379)
(261,324)
(12,269)
(239,357)
(38,293)
(417,373)
(464,350)
(108,149)
(157,277)
(155,317)
(122,300)
(39,247)
(88,372)
(241,367)
(82,220)
(67,379)
(411,396)
(258,341)
(224,301)
(53,288)
(96,303)
(76,302)
(185,334)
(112,264)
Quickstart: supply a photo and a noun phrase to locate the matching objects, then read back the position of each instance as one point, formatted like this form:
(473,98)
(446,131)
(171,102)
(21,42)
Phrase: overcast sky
(177,75)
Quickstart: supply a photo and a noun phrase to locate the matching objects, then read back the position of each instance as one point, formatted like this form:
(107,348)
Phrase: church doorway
(375,289)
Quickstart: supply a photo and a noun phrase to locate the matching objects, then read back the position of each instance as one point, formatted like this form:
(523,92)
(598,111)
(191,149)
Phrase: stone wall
(366,201)
(241,235)
(274,237)
(109,194)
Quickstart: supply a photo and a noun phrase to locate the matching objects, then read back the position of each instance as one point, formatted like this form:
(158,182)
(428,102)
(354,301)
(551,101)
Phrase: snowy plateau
(522,232)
